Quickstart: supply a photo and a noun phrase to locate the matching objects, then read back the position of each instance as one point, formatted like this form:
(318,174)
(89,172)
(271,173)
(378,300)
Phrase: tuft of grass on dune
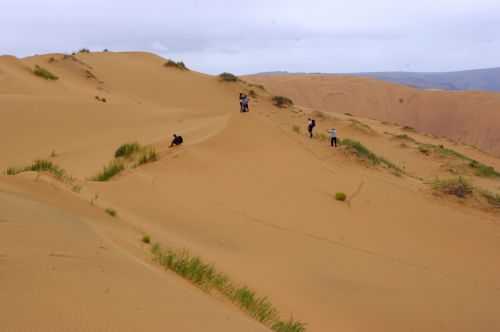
(110,170)
(178,65)
(111,212)
(128,155)
(206,276)
(282,101)
(44,73)
(483,170)
(127,149)
(228,77)
(340,196)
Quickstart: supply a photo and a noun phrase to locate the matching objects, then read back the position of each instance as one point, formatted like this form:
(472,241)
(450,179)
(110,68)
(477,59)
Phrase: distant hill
(479,79)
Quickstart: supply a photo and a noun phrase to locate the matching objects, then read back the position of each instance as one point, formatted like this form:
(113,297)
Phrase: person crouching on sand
(243,103)
(333,137)
(176,141)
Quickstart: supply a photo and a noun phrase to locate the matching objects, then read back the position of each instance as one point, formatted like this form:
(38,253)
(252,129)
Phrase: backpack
(313,123)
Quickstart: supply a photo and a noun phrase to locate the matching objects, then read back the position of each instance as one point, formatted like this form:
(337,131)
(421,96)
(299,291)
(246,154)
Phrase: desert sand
(247,192)
(471,117)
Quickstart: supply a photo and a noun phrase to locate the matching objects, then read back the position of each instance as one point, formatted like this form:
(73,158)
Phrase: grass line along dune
(207,277)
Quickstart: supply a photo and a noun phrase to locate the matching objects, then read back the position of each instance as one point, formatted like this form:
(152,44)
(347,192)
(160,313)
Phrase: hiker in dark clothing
(176,141)
(310,127)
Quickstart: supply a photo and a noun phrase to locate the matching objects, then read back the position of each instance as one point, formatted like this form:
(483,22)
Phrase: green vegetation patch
(364,153)
(483,170)
(282,101)
(111,212)
(129,155)
(228,77)
(40,166)
(178,65)
(44,73)
(206,276)
(340,197)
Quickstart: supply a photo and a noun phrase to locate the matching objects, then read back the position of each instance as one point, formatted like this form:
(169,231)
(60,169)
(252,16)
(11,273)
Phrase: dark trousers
(310,130)
(333,141)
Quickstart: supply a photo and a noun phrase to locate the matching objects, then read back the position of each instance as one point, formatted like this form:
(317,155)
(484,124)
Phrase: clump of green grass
(459,187)
(148,155)
(84,50)
(126,150)
(362,152)
(348,114)
(111,212)
(146,239)
(289,326)
(110,170)
(282,101)
(296,129)
(178,65)
(340,196)
(44,73)
(358,125)
(228,77)
(42,166)
(483,170)
(206,277)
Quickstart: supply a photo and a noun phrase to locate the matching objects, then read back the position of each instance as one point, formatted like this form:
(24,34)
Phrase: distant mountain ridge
(478,79)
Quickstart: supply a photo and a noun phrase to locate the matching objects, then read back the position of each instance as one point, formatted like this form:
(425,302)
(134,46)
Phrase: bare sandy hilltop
(250,225)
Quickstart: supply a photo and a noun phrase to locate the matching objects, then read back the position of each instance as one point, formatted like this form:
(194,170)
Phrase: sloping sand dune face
(467,117)
(248,192)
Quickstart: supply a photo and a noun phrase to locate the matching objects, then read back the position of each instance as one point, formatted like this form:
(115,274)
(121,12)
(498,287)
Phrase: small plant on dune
(105,50)
(111,212)
(252,94)
(84,50)
(228,77)
(206,277)
(146,239)
(348,114)
(41,166)
(282,102)
(458,187)
(178,65)
(424,150)
(483,170)
(44,73)
(358,125)
(408,128)
(405,138)
(340,197)
(289,326)
(126,150)
(149,155)
(110,170)
(296,129)
(52,59)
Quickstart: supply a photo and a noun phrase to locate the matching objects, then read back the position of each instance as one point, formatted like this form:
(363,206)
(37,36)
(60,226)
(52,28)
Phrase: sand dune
(246,192)
(467,117)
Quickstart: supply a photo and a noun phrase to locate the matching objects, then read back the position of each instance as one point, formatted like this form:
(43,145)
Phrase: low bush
(483,170)
(363,152)
(146,239)
(44,73)
(340,197)
(348,114)
(84,50)
(228,77)
(281,101)
(111,212)
(178,65)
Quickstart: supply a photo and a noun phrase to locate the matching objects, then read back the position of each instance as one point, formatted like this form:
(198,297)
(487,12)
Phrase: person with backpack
(310,127)
(333,137)
(176,141)
(243,103)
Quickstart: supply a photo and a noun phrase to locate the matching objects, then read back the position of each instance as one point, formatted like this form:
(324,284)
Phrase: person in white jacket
(333,137)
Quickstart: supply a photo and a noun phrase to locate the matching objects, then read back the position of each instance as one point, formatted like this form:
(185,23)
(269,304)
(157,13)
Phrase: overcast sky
(266,35)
